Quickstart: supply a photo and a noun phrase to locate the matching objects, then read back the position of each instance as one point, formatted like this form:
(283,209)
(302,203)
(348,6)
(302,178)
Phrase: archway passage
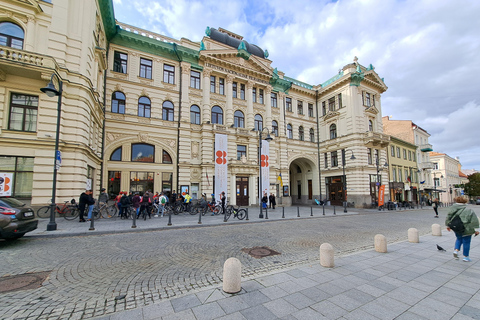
(303,180)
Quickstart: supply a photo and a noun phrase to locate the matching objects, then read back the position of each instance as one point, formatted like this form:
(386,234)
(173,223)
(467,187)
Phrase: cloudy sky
(428,51)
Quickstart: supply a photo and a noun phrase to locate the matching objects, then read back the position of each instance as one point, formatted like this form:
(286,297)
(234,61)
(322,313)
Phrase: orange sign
(381,195)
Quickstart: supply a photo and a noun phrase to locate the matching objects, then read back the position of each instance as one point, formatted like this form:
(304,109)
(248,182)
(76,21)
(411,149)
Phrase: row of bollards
(232,268)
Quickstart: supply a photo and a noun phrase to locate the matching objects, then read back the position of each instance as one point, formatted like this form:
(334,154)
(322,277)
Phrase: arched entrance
(303,180)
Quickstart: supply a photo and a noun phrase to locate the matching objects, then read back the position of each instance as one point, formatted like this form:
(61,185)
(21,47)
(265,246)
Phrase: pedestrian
(82,203)
(435,207)
(136,203)
(90,203)
(273,202)
(145,204)
(470,222)
(162,202)
(103,197)
(264,200)
(124,204)
(223,198)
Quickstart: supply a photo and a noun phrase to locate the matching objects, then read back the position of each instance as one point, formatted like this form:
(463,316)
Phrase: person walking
(90,203)
(223,198)
(435,207)
(265,200)
(470,223)
(162,202)
(136,203)
(272,200)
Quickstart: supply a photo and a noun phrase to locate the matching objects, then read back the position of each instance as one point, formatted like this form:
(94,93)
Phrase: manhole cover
(260,252)
(22,281)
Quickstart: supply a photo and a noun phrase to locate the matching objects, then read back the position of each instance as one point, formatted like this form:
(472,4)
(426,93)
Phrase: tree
(472,187)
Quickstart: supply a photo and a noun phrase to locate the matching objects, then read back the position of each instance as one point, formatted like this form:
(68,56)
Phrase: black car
(478,201)
(16,219)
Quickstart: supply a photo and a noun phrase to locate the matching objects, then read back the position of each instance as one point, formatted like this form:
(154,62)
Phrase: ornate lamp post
(345,178)
(268,138)
(51,91)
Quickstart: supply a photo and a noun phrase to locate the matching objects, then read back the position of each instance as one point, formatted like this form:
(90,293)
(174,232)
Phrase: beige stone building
(140,111)
(447,176)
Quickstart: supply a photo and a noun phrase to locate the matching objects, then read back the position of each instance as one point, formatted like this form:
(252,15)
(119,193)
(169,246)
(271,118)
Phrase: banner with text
(381,195)
(6,184)
(221,172)
(265,164)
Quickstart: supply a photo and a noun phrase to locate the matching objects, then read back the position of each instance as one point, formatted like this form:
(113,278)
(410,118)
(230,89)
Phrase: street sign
(58,159)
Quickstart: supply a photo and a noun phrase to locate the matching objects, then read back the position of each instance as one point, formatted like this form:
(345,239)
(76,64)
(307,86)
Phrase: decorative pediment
(372,78)
(331,115)
(231,59)
(372,110)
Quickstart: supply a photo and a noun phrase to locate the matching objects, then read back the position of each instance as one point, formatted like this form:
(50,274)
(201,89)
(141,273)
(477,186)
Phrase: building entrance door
(242,191)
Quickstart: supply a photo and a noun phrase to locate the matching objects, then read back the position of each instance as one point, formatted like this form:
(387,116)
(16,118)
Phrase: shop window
(143,152)
(21,169)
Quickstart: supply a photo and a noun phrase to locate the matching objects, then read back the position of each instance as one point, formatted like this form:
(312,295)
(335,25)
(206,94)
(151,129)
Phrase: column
(206,107)
(249,97)
(185,90)
(30,34)
(229,106)
(268,107)
(282,126)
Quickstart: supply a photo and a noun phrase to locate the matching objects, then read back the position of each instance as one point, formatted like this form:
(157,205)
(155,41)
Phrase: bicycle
(214,209)
(144,211)
(128,211)
(238,213)
(101,211)
(67,211)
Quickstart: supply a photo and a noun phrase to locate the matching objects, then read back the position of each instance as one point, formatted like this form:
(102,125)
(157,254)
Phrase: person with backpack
(463,221)
(136,203)
(124,203)
(162,202)
(145,204)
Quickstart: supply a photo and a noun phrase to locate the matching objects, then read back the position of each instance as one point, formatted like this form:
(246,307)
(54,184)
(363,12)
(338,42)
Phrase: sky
(427,51)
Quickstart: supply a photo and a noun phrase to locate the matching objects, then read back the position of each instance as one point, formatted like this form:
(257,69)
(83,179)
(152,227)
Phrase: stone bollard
(436,229)
(326,255)
(413,235)
(232,275)
(380,243)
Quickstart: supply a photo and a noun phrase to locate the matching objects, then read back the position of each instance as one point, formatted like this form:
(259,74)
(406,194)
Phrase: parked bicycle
(238,213)
(66,210)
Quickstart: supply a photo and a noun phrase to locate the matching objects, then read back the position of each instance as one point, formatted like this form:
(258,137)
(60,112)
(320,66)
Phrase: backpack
(457,225)
(163,200)
(124,200)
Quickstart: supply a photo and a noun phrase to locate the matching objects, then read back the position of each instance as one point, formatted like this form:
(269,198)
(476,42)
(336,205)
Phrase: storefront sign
(5,184)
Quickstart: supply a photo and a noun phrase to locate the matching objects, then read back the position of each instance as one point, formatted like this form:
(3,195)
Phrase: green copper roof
(333,79)
(108,17)
(299,83)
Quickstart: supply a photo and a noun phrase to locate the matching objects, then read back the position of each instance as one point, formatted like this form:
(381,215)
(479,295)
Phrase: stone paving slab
(408,282)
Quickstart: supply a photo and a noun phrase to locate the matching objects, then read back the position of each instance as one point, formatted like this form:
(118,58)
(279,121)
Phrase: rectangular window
(274,100)
(409,155)
(326,160)
(400,175)
(168,74)
(373,100)
(310,110)
(221,86)
(394,174)
(392,151)
(195,79)
(234,89)
(254,94)
(331,104)
(398,152)
(324,108)
(288,104)
(241,151)
(23,112)
(413,156)
(212,83)
(340,105)
(404,154)
(167,178)
(369,156)
(435,166)
(145,68)
(367,99)
(334,159)
(21,169)
(260,96)
(242,91)
(120,62)
(406,174)
(377,158)
(300,107)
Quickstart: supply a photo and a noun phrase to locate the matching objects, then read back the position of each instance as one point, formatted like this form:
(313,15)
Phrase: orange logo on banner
(7,184)
(221,157)
(381,195)
(264,161)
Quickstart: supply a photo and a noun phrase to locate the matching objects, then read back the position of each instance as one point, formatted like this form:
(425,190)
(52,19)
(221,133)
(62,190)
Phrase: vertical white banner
(6,184)
(221,162)
(265,163)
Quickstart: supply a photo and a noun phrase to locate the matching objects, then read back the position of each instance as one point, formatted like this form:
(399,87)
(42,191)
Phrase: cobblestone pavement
(87,273)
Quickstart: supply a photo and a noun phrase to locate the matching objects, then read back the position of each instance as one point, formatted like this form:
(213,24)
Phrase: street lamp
(268,138)
(51,91)
(345,178)
(377,161)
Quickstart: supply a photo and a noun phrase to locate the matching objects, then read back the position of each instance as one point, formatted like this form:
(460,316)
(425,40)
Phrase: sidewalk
(411,281)
(105,226)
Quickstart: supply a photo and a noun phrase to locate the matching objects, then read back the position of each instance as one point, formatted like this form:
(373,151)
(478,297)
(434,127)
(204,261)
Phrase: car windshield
(12,203)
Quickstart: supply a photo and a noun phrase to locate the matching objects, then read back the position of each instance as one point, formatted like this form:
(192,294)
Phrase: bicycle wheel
(194,210)
(112,211)
(241,214)
(43,212)
(218,210)
(70,213)
(104,212)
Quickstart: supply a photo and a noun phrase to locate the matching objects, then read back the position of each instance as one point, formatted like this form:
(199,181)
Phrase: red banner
(381,195)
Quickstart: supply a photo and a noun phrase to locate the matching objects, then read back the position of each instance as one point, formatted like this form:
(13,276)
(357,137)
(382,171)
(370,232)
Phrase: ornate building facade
(140,111)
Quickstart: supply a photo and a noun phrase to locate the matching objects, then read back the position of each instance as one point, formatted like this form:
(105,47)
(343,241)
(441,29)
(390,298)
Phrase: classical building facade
(447,176)
(140,111)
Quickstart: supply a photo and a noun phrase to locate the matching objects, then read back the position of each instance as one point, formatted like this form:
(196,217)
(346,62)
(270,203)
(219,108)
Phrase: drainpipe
(103,127)
(318,145)
(179,117)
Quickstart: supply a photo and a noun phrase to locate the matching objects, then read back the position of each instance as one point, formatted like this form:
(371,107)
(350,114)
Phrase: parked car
(478,201)
(16,219)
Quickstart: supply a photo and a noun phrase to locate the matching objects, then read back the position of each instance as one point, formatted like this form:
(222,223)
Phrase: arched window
(238,119)
(118,102)
(289,131)
(116,155)
(275,128)
(195,114)
(144,107)
(333,131)
(217,115)
(142,152)
(167,111)
(301,133)
(312,135)
(166,157)
(11,35)
(370,125)
(258,122)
